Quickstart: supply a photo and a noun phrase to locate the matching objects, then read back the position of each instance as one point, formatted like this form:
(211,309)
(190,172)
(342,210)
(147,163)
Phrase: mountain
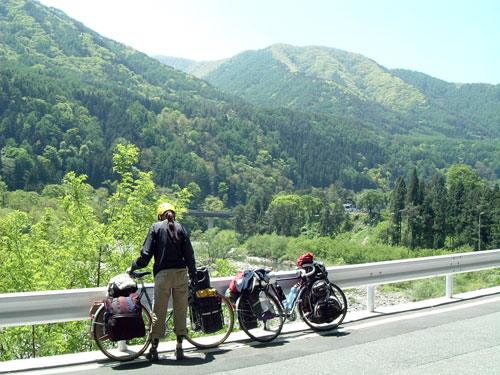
(331,81)
(423,114)
(69,95)
(476,102)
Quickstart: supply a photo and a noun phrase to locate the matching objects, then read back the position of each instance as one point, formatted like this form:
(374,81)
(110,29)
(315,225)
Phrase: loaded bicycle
(321,304)
(126,350)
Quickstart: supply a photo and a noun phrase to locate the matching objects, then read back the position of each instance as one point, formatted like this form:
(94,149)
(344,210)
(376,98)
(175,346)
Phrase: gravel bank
(357,298)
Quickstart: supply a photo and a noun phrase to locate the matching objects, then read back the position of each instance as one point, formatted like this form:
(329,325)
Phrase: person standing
(168,242)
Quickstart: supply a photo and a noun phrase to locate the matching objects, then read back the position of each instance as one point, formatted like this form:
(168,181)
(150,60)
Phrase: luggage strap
(125,315)
(132,308)
(130,302)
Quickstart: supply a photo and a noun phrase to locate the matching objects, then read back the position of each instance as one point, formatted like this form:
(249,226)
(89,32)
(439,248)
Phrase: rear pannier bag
(123,317)
(261,305)
(248,317)
(210,311)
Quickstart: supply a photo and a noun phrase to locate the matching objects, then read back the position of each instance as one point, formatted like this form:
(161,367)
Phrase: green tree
(397,204)
(438,195)
(464,174)
(288,213)
(217,244)
(412,211)
(370,200)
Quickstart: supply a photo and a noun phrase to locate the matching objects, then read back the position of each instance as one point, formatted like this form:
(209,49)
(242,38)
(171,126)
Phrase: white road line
(418,315)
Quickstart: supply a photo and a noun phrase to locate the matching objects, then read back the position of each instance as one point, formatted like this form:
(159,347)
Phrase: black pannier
(123,317)
(210,315)
(326,310)
(247,314)
(261,305)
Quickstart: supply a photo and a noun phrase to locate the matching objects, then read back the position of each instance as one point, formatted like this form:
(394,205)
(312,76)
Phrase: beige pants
(175,282)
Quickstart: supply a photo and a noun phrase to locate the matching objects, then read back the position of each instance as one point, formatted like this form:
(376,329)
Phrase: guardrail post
(449,285)
(370,298)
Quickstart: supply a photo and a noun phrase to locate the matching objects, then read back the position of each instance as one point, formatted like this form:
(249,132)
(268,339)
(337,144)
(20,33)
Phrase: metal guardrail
(18,309)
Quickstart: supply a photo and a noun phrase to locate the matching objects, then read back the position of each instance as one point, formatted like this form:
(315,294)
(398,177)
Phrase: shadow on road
(192,359)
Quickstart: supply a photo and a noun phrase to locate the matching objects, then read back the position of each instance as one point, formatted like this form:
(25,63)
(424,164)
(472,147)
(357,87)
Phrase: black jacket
(167,253)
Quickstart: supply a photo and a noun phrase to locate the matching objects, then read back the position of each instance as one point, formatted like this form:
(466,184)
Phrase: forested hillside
(69,95)
(432,116)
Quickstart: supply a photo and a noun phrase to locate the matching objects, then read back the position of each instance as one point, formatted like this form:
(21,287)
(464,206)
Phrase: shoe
(152,355)
(179,354)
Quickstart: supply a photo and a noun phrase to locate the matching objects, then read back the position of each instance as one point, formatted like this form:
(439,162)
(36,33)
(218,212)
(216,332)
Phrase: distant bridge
(210,215)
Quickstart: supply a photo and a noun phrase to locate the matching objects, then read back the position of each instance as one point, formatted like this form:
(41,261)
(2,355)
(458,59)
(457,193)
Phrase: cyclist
(168,242)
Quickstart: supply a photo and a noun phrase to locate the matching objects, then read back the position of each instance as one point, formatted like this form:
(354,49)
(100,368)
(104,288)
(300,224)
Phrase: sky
(453,40)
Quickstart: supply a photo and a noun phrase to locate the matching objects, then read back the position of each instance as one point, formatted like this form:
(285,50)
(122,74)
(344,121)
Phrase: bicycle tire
(259,330)
(120,350)
(211,340)
(305,309)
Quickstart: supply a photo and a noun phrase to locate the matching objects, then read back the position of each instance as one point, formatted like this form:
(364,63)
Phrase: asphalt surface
(454,338)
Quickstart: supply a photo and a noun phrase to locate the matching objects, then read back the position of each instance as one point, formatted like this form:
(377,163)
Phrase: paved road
(458,338)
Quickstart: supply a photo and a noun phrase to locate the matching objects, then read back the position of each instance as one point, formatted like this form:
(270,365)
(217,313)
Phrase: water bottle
(292,294)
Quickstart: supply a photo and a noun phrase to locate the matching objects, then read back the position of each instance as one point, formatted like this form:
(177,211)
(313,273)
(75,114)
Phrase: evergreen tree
(439,203)
(494,204)
(426,236)
(326,221)
(455,212)
(413,210)
(397,205)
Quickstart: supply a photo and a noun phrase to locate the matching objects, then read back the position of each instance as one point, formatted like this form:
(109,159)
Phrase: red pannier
(238,279)
(123,317)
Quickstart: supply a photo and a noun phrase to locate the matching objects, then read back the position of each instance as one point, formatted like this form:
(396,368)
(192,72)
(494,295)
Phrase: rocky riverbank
(357,298)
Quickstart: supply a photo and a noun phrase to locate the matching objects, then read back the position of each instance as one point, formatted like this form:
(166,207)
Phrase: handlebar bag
(320,272)
(123,317)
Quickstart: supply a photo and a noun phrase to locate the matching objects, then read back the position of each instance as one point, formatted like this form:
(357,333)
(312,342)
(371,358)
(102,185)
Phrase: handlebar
(272,277)
(304,273)
(139,275)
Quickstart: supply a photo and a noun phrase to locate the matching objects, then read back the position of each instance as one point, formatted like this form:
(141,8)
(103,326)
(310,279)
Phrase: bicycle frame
(289,311)
(144,292)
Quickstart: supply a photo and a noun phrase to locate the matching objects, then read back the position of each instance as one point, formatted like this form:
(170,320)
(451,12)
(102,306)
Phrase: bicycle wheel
(202,340)
(120,350)
(260,330)
(306,309)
